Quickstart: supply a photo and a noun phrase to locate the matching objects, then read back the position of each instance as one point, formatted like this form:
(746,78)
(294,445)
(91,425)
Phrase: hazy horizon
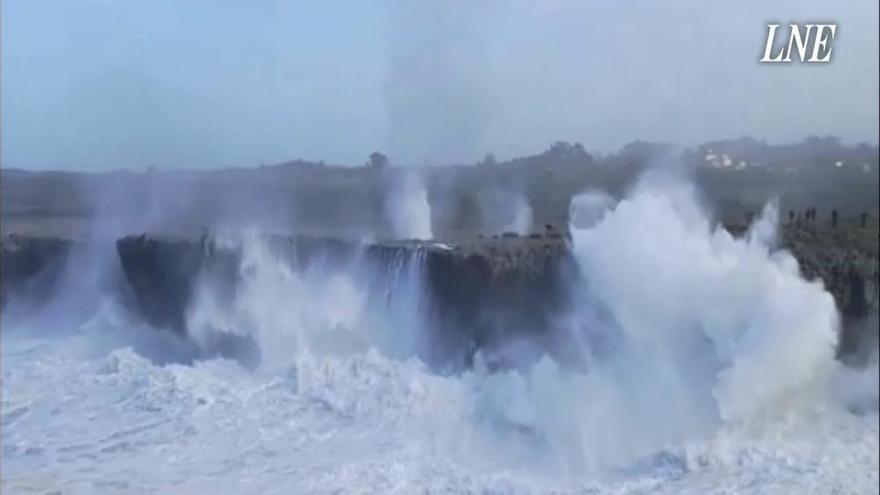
(93,85)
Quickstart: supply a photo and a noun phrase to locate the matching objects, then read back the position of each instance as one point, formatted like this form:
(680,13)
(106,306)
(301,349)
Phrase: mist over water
(698,362)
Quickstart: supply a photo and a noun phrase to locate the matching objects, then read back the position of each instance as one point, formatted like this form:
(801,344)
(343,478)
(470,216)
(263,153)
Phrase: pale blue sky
(101,84)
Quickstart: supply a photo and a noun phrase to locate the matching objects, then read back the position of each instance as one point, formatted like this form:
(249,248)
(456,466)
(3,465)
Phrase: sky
(109,84)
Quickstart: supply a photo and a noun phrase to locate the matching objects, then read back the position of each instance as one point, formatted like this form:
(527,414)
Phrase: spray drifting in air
(408,209)
(687,337)
(699,331)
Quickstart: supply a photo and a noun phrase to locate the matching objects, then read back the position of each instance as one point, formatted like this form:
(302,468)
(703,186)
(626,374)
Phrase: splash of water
(705,330)
(695,349)
(697,329)
(328,307)
(505,211)
(409,210)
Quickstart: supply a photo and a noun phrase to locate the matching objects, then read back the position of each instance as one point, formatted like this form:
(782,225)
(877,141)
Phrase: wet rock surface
(484,289)
(31,266)
(846,261)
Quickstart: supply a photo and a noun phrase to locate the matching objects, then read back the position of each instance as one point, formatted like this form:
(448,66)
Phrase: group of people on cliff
(808,216)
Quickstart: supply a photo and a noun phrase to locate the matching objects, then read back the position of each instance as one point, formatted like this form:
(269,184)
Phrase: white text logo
(810,43)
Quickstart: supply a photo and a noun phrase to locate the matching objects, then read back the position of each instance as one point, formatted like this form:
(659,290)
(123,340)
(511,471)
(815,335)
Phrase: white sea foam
(717,376)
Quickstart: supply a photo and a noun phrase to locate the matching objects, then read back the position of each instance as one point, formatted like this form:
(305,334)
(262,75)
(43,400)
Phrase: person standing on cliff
(834,218)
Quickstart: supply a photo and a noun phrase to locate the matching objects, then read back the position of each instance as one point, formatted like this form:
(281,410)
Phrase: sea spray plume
(858,388)
(764,230)
(397,319)
(89,275)
(283,310)
(326,306)
(589,208)
(407,207)
(523,217)
(706,330)
(672,279)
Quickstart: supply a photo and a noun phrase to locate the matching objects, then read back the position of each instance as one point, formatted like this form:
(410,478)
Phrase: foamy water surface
(718,376)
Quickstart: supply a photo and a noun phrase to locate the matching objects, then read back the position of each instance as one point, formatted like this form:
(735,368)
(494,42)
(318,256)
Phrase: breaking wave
(699,363)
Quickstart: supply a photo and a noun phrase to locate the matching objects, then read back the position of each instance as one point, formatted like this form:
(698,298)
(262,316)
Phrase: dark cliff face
(51,283)
(482,296)
(846,261)
(478,295)
(30,268)
(162,273)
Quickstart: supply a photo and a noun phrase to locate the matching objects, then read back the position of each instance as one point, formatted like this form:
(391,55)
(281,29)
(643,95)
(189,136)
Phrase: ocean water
(716,375)
(79,419)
